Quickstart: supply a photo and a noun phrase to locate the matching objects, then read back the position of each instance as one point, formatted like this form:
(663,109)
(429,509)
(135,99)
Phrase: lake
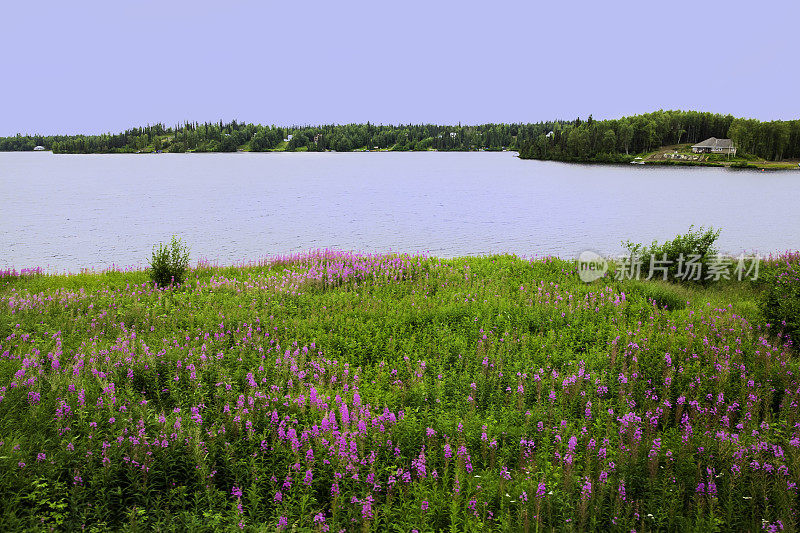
(68,212)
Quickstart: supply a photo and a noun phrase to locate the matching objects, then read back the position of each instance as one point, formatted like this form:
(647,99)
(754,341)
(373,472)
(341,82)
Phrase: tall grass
(335,391)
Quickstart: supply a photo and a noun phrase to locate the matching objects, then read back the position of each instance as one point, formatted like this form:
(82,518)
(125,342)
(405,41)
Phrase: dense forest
(615,140)
(233,136)
(620,139)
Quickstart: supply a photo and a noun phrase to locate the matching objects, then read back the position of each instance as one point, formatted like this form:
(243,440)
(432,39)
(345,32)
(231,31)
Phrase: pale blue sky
(91,67)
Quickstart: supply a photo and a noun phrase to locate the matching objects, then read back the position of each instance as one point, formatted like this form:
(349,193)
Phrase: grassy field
(333,391)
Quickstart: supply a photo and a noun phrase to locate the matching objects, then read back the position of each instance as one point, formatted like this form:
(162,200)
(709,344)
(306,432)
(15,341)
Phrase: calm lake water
(68,212)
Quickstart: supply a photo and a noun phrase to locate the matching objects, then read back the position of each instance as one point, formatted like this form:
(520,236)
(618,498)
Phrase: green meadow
(343,392)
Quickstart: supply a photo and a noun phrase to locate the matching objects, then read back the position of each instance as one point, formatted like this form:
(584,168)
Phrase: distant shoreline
(271,151)
(680,155)
(662,137)
(748,165)
(757,165)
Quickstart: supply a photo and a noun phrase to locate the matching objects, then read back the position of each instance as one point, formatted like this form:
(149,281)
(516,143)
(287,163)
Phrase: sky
(94,67)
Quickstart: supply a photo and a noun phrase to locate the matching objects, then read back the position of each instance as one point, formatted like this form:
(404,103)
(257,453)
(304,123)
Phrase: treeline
(620,139)
(233,136)
(578,140)
(775,140)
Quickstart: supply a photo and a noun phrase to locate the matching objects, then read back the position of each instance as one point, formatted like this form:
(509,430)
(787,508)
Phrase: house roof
(713,142)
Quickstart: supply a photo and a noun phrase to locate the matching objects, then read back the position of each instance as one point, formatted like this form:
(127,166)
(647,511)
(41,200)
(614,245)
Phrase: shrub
(781,300)
(675,255)
(169,263)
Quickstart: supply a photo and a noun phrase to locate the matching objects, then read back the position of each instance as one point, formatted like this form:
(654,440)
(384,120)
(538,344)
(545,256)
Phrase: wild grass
(334,391)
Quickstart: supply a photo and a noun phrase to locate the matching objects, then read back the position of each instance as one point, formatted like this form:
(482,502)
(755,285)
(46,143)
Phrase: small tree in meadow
(169,263)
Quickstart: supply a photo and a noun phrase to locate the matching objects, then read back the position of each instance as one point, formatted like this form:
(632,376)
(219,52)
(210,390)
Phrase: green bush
(169,263)
(781,300)
(696,247)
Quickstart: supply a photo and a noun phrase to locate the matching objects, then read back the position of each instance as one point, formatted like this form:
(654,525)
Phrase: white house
(38,149)
(714,145)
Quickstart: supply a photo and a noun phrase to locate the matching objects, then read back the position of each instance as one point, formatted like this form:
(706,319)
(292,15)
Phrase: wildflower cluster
(336,391)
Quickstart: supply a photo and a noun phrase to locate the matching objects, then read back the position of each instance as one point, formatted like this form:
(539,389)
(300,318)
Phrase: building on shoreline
(714,145)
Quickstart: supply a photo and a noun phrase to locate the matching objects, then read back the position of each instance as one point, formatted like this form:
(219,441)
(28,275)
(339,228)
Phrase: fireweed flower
(573,443)
(366,507)
(586,489)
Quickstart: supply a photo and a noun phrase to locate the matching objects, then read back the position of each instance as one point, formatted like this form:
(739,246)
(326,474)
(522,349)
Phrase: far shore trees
(563,140)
